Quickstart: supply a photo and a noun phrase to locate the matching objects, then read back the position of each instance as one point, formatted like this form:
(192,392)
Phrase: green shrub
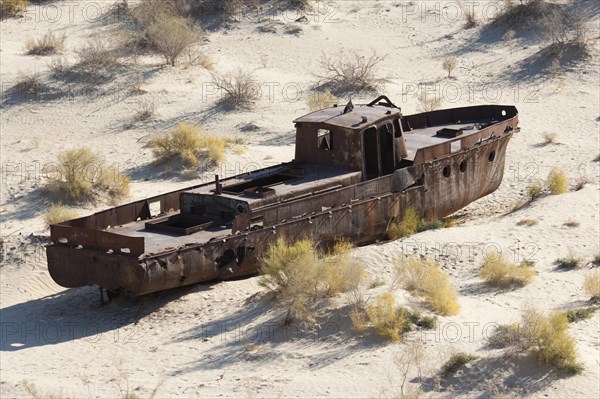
(557,182)
(498,271)
(571,261)
(456,362)
(577,314)
(80,176)
(187,144)
(406,226)
(426,278)
(389,320)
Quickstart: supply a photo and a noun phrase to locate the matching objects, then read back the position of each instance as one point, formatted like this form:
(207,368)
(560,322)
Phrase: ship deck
(427,136)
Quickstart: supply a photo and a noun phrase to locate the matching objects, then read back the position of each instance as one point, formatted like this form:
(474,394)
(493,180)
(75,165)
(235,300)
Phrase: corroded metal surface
(435,162)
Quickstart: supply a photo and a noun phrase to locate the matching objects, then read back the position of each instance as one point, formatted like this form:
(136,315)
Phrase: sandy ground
(222,339)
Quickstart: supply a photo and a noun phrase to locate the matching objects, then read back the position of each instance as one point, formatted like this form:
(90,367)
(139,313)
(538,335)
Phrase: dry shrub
(449,64)
(359,322)
(455,362)
(557,181)
(388,319)
(301,280)
(50,43)
(528,222)
(591,284)
(427,102)
(322,100)
(58,213)
(471,17)
(171,36)
(581,182)
(81,176)
(239,89)
(550,138)
(349,72)
(548,338)
(505,335)
(29,84)
(426,278)
(10,8)
(145,110)
(534,190)
(499,271)
(187,144)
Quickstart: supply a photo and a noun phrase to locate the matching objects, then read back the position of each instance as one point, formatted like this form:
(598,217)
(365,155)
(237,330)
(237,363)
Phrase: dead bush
(581,182)
(29,84)
(549,138)
(50,43)
(322,100)
(81,176)
(428,102)
(58,213)
(449,65)
(425,277)
(188,144)
(170,36)
(9,8)
(145,110)
(301,280)
(238,89)
(498,271)
(349,72)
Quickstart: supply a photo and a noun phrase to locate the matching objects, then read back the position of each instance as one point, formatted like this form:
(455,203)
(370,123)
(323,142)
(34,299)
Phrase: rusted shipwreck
(355,171)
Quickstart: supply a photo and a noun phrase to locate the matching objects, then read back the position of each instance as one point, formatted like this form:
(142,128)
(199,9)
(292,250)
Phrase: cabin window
(446,171)
(397,130)
(325,139)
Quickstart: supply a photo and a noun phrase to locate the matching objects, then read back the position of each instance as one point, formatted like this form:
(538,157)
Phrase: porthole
(503,112)
(240,208)
(463,166)
(446,171)
(492,156)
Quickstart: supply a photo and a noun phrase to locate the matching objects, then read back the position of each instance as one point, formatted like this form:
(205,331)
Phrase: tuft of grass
(426,278)
(571,261)
(534,190)
(548,338)
(301,280)
(376,283)
(549,138)
(80,175)
(557,181)
(433,225)
(572,223)
(456,362)
(578,314)
(389,320)
(528,222)
(591,285)
(187,144)
(322,100)
(349,72)
(58,213)
(449,64)
(50,43)
(29,84)
(498,271)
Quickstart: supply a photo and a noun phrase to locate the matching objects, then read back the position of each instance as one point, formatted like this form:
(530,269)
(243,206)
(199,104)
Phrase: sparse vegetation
(188,144)
(498,271)
(581,182)
(528,222)
(427,102)
(58,213)
(557,181)
(349,72)
(549,138)
(572,223)
(29,84)
(301,280)
(591,284)
(50,43)
(505,335)
(9,8)
(449,65)
(81,176)
(571,261)
(456,362)
(145,110)
(426,278)
(388,319)
(471,17)
(376,283)
(321,100)
(239,89)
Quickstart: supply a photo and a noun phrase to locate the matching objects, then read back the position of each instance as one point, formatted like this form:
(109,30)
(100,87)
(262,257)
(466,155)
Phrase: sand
(224,339)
